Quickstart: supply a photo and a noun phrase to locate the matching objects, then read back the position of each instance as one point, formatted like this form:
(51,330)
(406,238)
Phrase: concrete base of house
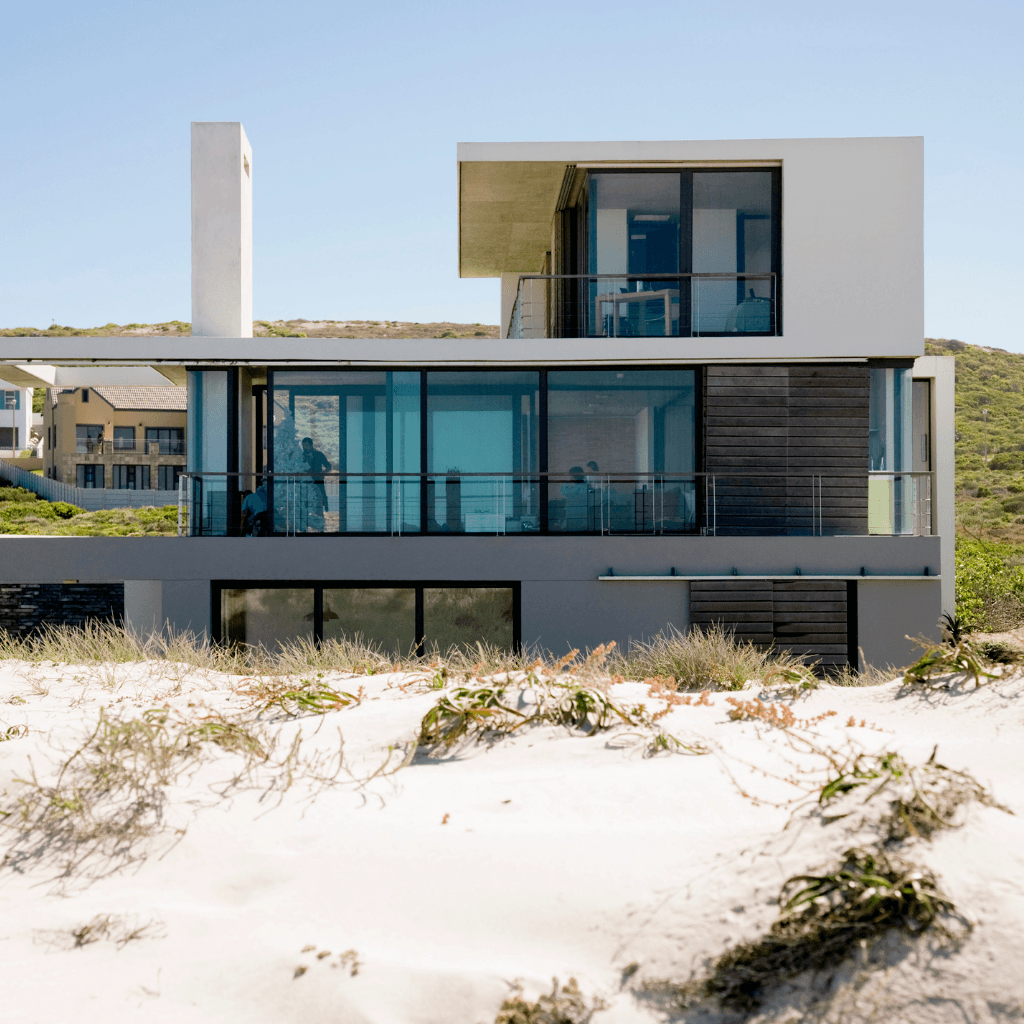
(572,593)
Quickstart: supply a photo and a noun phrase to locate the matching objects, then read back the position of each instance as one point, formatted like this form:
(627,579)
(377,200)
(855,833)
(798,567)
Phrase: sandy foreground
(314,892)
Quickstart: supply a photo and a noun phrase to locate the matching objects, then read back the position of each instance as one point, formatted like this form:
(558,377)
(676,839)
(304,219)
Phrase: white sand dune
(546,853)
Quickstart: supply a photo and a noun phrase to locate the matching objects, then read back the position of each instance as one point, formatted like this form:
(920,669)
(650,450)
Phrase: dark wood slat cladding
(799,421)
(808,618)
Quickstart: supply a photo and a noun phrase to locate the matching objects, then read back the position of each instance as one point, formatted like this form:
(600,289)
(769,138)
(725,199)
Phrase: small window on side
(85,394)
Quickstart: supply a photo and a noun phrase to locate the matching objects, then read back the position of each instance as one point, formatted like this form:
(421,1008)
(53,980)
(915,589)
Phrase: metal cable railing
(708,503)
(645,305)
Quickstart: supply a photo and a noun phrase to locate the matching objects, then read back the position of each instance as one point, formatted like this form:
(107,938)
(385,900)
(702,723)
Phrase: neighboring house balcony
(129,446)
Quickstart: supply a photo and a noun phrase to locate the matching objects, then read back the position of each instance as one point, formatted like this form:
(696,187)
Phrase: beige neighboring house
(118,437)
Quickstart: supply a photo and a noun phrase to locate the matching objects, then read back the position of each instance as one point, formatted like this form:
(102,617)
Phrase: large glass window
(482,451)
(634,230)
(465,616)
(732,236)
(399,620)
(713,234)
(213,495)
(346,451)
(129,478)
(267,617)
(893,492)
(621,451)
(165,440)
(90,476)
(381,617)
(124,439)
(89,438)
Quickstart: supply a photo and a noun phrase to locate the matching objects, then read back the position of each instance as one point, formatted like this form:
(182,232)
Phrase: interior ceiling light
(652,216)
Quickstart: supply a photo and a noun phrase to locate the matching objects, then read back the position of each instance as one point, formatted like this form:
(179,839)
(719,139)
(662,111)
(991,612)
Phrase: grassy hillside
(300,328)
(990,490)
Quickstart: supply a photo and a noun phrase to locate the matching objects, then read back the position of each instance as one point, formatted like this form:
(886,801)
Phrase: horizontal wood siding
(768,430)
(808,618)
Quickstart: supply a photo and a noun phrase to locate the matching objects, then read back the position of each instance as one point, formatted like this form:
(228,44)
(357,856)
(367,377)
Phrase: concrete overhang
(509,192)
(121,360)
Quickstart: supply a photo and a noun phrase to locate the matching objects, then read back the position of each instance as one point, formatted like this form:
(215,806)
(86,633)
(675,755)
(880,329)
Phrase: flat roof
(509,192)
(134,361)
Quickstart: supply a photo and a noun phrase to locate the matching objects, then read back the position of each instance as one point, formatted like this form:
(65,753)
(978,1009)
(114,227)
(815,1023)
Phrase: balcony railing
(644,305)
(128,446)
(711,504)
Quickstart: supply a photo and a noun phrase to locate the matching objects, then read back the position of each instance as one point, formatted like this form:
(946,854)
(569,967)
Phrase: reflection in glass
(621,450)
(365,425)
(482,444)
(384,618)
(268,617)
(892,497)
(207,419)
(634,229)
(464,616)
(732,233)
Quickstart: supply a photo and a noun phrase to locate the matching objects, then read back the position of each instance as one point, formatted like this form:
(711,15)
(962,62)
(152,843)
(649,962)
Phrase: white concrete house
(709,403)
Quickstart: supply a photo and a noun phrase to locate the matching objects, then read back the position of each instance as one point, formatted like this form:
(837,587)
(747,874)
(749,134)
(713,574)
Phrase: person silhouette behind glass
(575,494)
(317,464)
(254,512)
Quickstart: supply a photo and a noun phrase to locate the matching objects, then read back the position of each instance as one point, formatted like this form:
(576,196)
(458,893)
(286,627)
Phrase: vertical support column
(221,230)
(143,607)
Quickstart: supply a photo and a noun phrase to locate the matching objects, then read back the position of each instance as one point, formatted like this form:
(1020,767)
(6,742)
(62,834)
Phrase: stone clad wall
(25,607)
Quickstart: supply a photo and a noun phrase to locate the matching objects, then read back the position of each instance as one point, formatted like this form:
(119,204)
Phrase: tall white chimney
(221,230)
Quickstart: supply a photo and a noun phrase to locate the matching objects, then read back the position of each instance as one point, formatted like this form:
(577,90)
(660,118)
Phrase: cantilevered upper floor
(769,248)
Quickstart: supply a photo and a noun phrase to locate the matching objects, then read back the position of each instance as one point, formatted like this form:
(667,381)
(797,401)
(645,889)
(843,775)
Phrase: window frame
(319,586)
(698,370)
(579,234)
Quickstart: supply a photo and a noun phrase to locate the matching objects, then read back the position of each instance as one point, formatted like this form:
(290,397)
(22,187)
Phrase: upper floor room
(793,248)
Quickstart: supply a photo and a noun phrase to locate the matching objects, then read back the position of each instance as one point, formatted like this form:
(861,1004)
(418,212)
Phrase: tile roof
(123,396)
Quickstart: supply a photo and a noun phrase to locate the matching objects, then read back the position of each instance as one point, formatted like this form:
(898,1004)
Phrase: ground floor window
(90,475)
(167,477)
(9,438)
(130,478)
(399,619)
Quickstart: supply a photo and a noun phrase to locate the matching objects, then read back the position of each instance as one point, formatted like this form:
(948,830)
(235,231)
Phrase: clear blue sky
(353,112)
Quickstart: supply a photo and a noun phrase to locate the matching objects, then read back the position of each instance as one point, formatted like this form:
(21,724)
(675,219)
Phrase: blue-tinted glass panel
(621,451)
(892,491)
(732,234)
(346,451)
(482,452)
(634,222)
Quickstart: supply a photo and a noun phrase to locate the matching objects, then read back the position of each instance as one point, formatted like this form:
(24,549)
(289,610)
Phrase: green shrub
(989,584)
(64,510)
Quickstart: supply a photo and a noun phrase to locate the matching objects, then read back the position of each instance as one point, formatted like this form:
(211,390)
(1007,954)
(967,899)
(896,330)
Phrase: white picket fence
(88,498)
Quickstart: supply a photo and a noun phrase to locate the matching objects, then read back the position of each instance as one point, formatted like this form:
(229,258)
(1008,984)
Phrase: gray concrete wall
(563,602)
(561,615)
(890,611)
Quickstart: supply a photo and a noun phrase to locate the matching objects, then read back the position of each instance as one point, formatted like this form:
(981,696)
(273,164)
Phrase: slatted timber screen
(768,430)
(809,618)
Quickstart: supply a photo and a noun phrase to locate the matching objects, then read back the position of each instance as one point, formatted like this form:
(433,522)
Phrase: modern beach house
(709,403)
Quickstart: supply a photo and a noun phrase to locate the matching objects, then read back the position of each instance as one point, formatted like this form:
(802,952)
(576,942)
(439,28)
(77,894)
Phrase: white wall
(942,371)
(20,418)
(221,230)
(852,230)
